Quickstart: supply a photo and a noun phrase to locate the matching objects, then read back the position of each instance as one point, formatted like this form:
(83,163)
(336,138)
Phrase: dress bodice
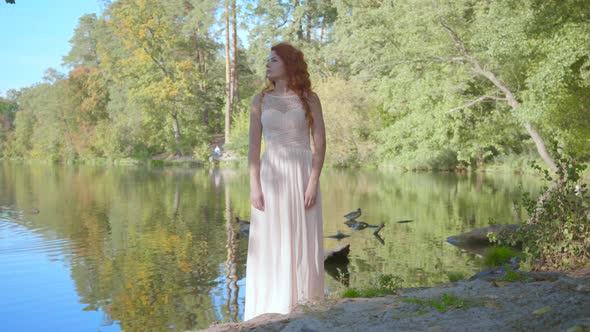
(284,123)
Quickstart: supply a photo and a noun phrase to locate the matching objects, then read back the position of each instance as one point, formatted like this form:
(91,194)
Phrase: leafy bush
(389,282)
(557,234)
(239,139)
(512,275)
(202,152)
(496,256)
(383,285)
(456,276)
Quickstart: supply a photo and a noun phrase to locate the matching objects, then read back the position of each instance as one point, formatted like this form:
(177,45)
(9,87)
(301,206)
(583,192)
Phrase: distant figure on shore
(216,153)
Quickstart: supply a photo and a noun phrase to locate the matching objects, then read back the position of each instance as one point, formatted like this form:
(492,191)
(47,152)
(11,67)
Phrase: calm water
(136,249)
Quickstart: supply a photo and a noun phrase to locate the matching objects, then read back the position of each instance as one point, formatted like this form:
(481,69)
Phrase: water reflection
(138,249)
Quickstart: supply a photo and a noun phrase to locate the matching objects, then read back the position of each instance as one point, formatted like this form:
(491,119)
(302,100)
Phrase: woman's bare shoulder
(255,103)
(313,97)
(256,98)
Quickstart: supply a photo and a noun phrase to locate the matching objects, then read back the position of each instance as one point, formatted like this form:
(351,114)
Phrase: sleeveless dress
(285,263)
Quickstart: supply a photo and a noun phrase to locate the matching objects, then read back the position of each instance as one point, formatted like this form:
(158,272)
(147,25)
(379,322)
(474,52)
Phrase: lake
(97,248)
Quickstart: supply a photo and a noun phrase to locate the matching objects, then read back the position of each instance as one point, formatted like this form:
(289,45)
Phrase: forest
(433,85)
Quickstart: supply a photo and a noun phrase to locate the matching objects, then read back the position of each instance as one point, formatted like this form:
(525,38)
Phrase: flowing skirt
(285,264)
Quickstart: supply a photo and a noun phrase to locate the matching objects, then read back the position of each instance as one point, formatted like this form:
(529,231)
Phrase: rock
(543,310)
(578,325)
(480,236)
(516,306)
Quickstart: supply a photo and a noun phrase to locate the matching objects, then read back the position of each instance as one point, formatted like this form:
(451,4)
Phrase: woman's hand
(257,199)
(310,194)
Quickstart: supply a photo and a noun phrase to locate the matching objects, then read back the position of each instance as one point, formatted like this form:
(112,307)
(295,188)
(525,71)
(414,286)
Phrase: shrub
(557,233)
(456,276)
(496,256)
(383,285)
(202,152)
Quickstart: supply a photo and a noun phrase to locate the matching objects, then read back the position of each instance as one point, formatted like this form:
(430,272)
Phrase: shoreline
(546,301)
(192,163)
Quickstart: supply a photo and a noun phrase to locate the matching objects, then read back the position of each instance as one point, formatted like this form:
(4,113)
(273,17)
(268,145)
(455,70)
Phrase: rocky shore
(532,302)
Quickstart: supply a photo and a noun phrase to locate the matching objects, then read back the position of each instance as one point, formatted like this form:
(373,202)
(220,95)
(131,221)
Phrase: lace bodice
(284,123)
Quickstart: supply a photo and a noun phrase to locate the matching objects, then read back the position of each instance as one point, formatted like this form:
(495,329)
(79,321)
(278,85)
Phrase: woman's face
(275,67)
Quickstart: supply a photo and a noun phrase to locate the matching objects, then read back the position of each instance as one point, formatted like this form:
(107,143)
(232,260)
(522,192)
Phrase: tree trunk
(236,89)
(308,25)
(228,85)
(176,128)
(322,29)
(300,25)
(199,59)
(509,96)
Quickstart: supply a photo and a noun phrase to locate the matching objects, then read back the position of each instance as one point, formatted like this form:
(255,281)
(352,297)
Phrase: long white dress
(285,264)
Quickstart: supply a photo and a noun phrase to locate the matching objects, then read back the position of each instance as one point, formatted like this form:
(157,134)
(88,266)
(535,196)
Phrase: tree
(84,43)
(152,33)
(437,65)
(228,74)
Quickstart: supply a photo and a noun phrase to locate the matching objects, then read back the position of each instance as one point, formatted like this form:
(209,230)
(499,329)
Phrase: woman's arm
(255,134)
(318,132)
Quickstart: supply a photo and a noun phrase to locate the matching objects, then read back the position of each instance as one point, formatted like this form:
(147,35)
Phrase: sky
(35,36)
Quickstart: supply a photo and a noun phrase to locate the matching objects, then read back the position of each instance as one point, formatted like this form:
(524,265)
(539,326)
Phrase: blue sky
(34,36)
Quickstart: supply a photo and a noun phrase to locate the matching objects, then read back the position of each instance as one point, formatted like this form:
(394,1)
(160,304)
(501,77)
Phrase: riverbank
(230,161)
(535,302)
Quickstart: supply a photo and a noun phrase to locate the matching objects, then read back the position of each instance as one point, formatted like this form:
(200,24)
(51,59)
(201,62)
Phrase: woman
(285,264)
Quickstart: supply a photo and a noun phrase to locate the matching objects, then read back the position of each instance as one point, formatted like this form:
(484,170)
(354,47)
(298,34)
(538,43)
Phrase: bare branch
(478,68)
(510,97)
(452,59)
(473,102)
(156,61)
(458,43)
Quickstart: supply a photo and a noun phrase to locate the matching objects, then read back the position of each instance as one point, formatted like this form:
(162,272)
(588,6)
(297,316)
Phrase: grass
(365,292)
(511,275)
(442,303)
(455,276)
(514,276)
(382,285)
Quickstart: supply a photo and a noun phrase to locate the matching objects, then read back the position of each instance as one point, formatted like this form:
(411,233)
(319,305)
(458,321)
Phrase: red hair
(297,75)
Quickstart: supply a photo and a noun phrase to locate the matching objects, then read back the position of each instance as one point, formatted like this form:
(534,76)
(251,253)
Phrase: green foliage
(239,134)
(202,152)
(389,282)
(453,277)
(423,81)
(382,285)
(8,109)
(495,256)
(557,234)
(350,117)
(396,90)
(512,275)
(443,303)
(84,42)
(136,87)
